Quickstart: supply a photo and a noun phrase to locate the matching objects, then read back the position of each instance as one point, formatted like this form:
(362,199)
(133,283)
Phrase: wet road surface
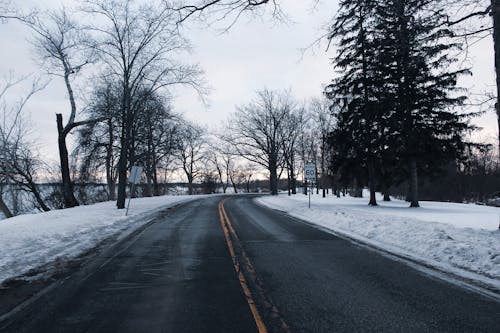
(187,272)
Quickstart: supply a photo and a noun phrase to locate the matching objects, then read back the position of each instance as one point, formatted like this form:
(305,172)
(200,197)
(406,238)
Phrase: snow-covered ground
(31,240)
(460,238)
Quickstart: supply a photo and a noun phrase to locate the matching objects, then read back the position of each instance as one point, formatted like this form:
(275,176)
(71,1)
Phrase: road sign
(135,175)
(310,171)
(134,178)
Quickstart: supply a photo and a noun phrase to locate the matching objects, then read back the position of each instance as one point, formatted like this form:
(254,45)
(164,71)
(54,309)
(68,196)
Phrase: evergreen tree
(356,89)
(421,85)
(398,90)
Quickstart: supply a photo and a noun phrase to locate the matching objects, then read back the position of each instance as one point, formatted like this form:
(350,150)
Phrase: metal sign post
(310,189)
(134,178)
(310,176)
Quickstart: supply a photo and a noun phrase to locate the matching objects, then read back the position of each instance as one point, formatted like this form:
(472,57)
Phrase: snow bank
(32,240)
(460,238)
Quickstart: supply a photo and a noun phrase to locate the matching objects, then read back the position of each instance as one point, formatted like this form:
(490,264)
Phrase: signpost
(134,178)
(310,176)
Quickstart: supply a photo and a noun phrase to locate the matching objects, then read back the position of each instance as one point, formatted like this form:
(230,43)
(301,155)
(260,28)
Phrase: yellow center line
(225,224)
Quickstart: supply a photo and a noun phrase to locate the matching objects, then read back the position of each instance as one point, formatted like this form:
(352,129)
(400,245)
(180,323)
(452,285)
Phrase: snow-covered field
(460,238)
(31,240)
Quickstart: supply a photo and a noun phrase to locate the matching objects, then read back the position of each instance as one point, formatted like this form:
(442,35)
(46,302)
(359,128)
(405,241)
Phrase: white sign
(135,175)
(310,171)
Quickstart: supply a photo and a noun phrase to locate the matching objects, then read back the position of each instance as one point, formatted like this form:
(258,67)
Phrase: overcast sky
(254,54)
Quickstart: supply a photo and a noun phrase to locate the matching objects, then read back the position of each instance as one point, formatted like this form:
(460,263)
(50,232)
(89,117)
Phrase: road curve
(238,267)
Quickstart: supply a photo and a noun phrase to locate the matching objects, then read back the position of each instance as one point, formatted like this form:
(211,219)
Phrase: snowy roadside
(458,238)
(32,240)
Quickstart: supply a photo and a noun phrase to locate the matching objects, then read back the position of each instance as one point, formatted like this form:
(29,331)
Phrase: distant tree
(292,128)
(223,159)
(245,174)
(322,115)
(191,152)
(257,131)
(19,162)
(155,136)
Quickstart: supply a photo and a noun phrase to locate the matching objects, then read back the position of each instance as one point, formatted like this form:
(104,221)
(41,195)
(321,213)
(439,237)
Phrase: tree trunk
(414,182)
(273,179)
(67,185)
(3,207)
(148,191)
(122,173)
(371,182)
(358,189)
(112,190)
(15,200)
(317,182)
(109,167)
(234,186)
(323,185)
(38,197)
(190,185)
(387,197)
(495,5)
(156,186)
(408,192)
(125,140)
(293,180)
(289,185)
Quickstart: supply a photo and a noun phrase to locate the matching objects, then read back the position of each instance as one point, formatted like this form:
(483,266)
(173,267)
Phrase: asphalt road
(178,275)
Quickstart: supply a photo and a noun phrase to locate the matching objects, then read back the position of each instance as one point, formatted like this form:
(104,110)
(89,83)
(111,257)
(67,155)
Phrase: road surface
(225,264)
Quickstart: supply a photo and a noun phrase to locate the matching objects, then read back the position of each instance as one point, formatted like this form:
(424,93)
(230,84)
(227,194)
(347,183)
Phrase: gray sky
(254,54)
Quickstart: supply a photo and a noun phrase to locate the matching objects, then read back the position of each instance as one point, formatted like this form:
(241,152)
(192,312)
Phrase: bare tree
(257,131)
(224,9)
(18,161)
(58,43)
(245,174)
(191,152)
(138,44)
(292,128)
(9,10)
(155,134)
(222,156)
(323,119)
(471,18)
(97,142)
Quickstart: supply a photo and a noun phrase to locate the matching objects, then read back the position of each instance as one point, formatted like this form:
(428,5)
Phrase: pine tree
(357,89)
(418,66)
(397,86)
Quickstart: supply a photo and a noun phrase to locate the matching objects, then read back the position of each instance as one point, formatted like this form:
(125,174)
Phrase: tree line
(392,114)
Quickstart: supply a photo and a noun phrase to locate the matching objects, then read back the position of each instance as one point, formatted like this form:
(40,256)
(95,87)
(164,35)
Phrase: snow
(462,239)
(32,240)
